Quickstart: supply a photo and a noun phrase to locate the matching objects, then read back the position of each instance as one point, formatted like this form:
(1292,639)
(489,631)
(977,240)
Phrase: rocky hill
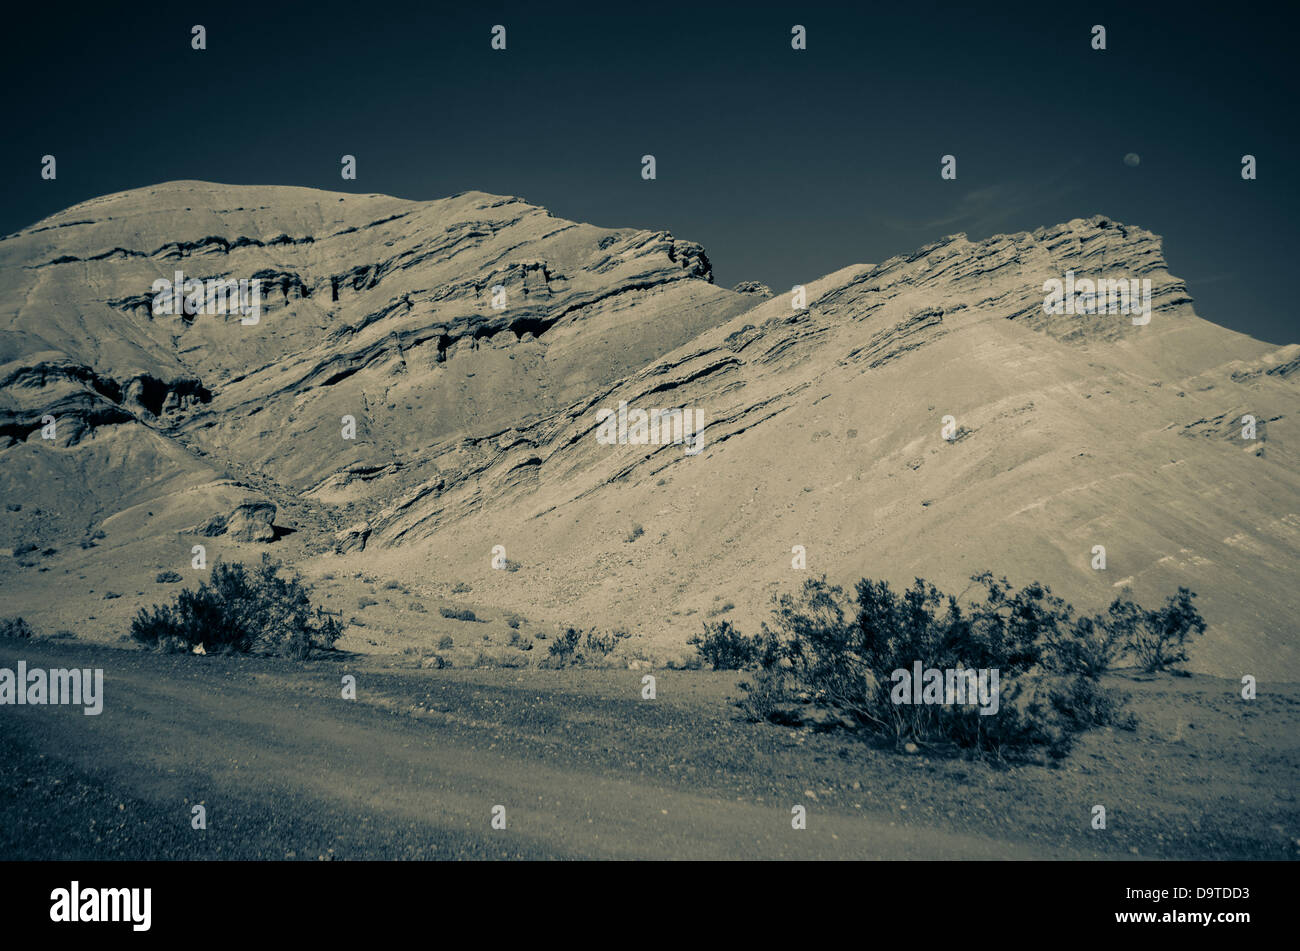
(476,340)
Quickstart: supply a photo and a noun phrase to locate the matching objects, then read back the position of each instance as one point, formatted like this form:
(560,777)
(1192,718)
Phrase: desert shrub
(418,608)
(576,648)
(112,595)
(445,643)
(854,656)
(520,641)
(598,645)
(720,609)
(513,621)
(765,696)
(14,627)
(564,647)
(461,588)
(167,577)
(242,609)
(502,657)
(636,532)
(171,644)
(723,647)
(1157,639)
(458,614)
(363,603)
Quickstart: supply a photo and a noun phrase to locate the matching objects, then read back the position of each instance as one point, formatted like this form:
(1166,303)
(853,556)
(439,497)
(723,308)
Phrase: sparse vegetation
(1156,639)
(834,658)
(243,610)
(15,627)
(167,577)
(502,657)
(564,646)
(576,648)
(445,643)
(767,697)
(458,614)
(723,647)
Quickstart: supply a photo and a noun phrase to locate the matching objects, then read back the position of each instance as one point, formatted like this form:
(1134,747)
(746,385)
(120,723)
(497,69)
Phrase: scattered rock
(753,287)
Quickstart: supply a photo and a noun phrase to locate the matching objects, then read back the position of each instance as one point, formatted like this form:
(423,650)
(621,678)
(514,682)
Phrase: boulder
(252,522)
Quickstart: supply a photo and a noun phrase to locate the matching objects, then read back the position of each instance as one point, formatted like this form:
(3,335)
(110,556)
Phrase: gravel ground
(287,769)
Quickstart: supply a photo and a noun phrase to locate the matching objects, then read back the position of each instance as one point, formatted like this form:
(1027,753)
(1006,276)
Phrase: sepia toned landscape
(431,419)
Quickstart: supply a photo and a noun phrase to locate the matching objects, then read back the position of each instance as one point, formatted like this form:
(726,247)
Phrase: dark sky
(785,165)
